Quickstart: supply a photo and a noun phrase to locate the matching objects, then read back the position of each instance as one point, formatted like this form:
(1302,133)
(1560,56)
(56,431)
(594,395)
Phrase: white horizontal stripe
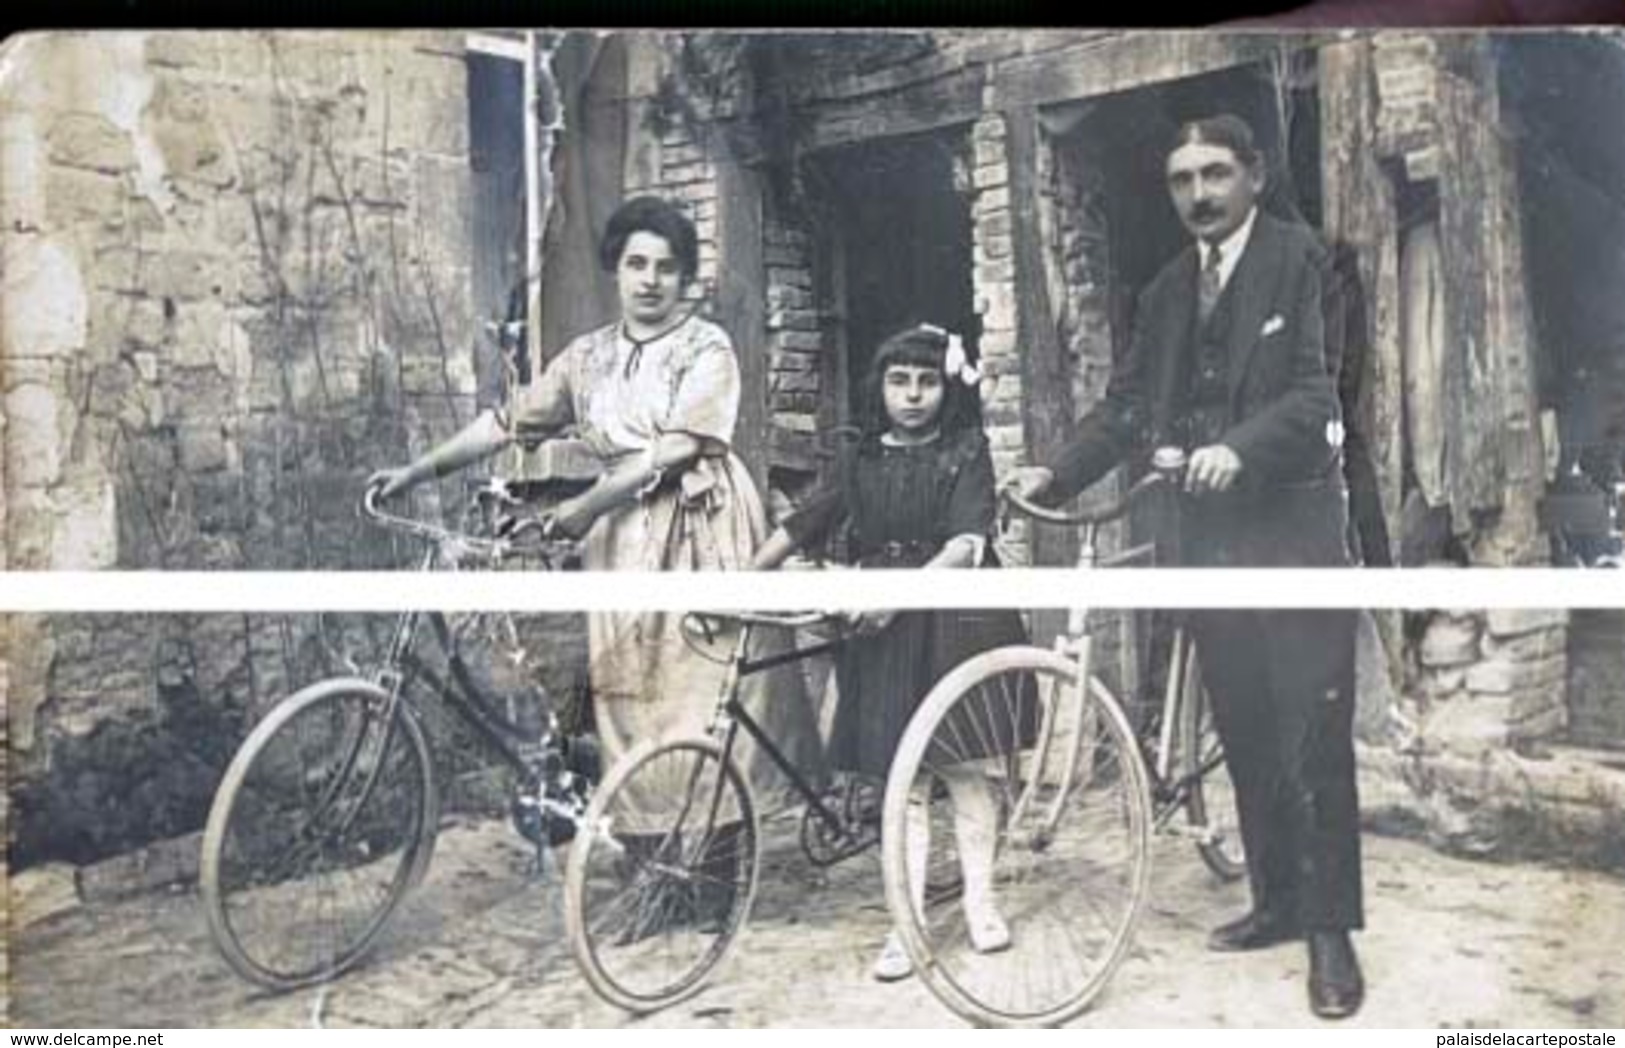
(806,590)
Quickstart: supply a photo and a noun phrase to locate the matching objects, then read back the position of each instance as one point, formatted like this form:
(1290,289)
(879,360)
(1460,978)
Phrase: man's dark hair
(1227,130)
(650,214)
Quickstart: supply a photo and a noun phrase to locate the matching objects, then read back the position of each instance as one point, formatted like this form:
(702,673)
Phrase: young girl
(916,492)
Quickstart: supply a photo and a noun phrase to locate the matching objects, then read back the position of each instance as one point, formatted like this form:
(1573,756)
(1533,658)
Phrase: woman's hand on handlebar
(390,482)
(570,519)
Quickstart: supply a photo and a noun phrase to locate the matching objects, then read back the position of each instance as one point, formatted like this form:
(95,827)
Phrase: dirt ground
(1450,943)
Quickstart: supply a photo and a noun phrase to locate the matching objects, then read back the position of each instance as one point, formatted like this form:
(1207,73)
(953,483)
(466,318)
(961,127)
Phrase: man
(1228,359)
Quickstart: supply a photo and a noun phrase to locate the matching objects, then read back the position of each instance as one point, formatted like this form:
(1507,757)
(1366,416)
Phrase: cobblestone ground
(1450,943)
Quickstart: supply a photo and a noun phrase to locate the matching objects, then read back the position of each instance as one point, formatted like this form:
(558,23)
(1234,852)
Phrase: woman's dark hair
(1227,130)
(921,346)
(649,214)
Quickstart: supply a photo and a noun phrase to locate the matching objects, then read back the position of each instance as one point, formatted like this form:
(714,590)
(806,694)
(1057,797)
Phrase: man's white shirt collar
(1230,248)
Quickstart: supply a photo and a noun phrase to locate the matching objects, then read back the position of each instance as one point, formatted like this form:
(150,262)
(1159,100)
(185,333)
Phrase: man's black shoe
(1336,987)
(1255,931)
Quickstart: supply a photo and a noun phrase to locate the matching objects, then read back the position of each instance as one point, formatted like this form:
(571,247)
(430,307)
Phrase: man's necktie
(1208,287)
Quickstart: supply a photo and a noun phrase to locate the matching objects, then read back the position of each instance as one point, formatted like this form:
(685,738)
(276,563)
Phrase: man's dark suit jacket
(1288,507)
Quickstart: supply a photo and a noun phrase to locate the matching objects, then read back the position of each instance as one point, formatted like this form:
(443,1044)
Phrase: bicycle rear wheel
(661,877)
(1010,745)
(1210,799)
(325,819)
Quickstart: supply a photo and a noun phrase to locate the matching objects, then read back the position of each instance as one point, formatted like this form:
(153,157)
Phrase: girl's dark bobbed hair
(650,214)
(922,346)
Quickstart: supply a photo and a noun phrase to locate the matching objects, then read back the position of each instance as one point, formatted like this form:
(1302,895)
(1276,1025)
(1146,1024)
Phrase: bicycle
(1078,792)
(659,884)
(328,813)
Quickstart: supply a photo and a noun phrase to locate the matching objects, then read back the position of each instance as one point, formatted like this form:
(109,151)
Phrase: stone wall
(245,259)
(236,281)
(143,713)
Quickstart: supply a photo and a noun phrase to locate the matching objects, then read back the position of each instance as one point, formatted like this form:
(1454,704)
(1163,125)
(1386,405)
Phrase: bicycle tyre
(1087,855)
(264,905)
(1210,799)
(673,886)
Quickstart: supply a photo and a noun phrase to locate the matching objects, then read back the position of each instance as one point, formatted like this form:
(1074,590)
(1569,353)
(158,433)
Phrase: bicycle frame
(731,715)
(1077,645)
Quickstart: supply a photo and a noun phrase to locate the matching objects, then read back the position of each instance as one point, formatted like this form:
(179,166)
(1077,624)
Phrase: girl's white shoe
(986,928)
(893,963)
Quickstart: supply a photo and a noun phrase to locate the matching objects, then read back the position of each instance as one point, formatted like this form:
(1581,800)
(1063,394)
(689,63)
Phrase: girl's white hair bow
(954,361)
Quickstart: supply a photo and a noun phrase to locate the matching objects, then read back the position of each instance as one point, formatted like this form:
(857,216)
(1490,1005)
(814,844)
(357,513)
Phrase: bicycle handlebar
(1167,466)
(487,548)
(785,620)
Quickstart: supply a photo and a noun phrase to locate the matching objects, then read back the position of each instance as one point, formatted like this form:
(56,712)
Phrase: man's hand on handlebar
(1031,482)
(1213,468)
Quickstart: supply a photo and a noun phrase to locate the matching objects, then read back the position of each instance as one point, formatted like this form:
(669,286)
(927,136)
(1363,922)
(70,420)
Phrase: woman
(656,394)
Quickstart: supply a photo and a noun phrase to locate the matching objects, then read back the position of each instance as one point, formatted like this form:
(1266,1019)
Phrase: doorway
(897,249)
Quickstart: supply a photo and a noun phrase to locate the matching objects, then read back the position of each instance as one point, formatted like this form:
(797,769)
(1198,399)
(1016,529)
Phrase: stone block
(798,341)
(34,449)
(1006,438)
(41,893)
(1500,677)
(1527,647)
(795,422)
(998,353)
(795,382)
(793,319)
(185,276)
(993,224)
(78,200)
(790,275)
(990,248)
(158,864)
(989,176)
(1444,683)
(44,273)
(786,257)
(1471,725)
(1000,270)
(186,49)
(787,296)
(1535,704)
(1449,642)
(991,200)
(1510,622)
(989,152)
(23,171)
(85,140)
(202,447)
(791,361)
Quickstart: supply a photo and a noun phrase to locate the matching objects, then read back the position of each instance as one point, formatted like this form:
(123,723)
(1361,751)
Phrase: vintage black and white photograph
(571,301)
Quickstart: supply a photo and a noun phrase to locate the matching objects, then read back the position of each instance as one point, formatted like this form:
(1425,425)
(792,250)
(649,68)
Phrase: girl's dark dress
(899,505)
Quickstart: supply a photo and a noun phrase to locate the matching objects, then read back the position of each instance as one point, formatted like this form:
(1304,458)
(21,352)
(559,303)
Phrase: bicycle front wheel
(325,819)
(1210,799)
(1025,787)
(661,877)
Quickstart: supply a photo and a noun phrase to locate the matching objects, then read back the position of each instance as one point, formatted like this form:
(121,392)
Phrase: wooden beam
(946,101)
(1360,214)
(1045,380)
(1495,462)
(1101,65)
(742,303)
(1097,64)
